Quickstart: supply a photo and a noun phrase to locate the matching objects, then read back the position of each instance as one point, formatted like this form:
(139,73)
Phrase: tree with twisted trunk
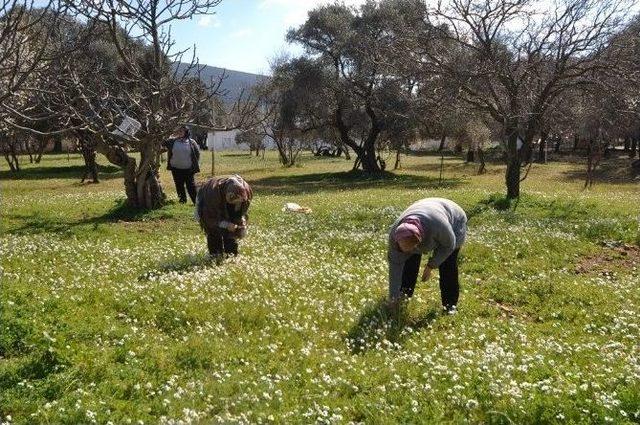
(353,54)
(151,85)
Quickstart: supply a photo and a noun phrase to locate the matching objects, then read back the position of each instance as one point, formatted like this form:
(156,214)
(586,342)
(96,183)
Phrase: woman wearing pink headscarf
(431,224)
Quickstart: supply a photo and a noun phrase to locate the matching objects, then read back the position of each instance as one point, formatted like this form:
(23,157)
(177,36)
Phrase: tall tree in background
(27,55)
(25,30)
(519,56)
(151,89)
(353,46)
(154,86)
(294,108)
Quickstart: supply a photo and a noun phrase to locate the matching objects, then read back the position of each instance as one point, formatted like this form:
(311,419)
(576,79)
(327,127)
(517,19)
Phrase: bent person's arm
(445,244)
(227,225)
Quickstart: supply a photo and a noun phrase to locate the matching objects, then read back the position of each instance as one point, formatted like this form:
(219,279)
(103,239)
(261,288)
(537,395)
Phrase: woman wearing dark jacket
(222,206)
(183,162)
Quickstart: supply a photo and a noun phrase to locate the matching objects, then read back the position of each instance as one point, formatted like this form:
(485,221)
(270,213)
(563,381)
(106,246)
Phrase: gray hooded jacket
(445,229)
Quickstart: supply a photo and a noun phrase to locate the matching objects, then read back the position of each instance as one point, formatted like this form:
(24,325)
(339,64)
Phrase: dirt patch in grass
(610,258)
(508,311)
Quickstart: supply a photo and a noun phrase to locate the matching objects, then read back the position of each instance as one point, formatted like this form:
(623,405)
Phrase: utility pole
(213,161)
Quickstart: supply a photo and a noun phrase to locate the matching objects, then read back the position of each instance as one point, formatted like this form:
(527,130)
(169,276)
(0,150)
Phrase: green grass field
(114,316)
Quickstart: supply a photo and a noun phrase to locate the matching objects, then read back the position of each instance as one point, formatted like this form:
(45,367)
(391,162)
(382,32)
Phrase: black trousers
(182,179)
(220,241)
(449,285)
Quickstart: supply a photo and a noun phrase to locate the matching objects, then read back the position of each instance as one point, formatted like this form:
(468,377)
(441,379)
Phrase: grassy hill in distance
(233,83)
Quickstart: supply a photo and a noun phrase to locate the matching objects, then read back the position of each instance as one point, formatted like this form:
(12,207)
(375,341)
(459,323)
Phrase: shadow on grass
(612,171)
(565,214)
(378,326)
(494,201)
(180,265)
(119,213)
(309,183)
(74,172)
(554,209)
(457,166)
(239,155)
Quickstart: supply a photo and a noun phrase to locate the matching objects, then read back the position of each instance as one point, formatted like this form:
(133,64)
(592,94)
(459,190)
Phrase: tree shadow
(38,222)
(559,210)
(378,325)
(452,165)
(180,265)
(613,171)
(121,211)
(332,181)
(495,201)
(238,155)
(74,172)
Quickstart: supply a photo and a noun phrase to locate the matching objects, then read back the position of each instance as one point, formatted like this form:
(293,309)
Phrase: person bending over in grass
(222,207)
(431,224)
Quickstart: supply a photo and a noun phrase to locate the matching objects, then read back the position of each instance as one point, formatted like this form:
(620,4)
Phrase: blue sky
(243,35)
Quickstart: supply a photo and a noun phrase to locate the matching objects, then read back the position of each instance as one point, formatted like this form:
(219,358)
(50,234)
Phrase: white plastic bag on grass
(293,207)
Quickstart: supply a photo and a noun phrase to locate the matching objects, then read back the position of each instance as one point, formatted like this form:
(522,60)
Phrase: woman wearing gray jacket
(431,224)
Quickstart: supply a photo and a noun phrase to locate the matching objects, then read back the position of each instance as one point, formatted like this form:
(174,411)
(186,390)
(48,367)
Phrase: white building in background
(226,141)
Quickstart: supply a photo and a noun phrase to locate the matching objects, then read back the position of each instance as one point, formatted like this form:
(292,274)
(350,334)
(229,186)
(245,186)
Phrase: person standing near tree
(430,224)
(183,162)
(222,207)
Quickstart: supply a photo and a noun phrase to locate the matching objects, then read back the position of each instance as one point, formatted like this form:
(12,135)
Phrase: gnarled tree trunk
(10,154)
(634,148)
(368,159)
(141,182)
(366,153)
(470,155)
(512,176)
(347,155)
(443,140)
(42,144)
(147,178)
(482,168)
(542,149)
(397,163)
(88,151)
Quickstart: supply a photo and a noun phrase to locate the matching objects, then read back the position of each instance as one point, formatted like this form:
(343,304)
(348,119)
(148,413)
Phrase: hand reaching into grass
(231,227)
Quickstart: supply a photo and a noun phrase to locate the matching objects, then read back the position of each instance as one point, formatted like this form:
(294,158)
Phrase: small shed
(226,141)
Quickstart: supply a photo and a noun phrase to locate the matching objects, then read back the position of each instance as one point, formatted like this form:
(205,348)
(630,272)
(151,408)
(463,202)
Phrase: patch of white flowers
(283,332)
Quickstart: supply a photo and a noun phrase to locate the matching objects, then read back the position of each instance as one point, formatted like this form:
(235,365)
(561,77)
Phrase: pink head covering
(408,227)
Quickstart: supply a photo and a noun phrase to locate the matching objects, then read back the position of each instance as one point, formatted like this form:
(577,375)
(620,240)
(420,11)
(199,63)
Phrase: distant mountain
(233,83)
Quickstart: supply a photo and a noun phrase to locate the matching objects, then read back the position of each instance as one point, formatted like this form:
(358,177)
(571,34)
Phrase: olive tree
(154,87)
(518,56)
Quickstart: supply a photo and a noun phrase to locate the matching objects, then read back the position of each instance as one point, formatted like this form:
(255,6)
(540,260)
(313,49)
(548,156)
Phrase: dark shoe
(216,258)
(450,309)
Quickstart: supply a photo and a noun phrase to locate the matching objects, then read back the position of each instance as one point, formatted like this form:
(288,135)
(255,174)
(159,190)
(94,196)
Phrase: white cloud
(209,21)
(242,33)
